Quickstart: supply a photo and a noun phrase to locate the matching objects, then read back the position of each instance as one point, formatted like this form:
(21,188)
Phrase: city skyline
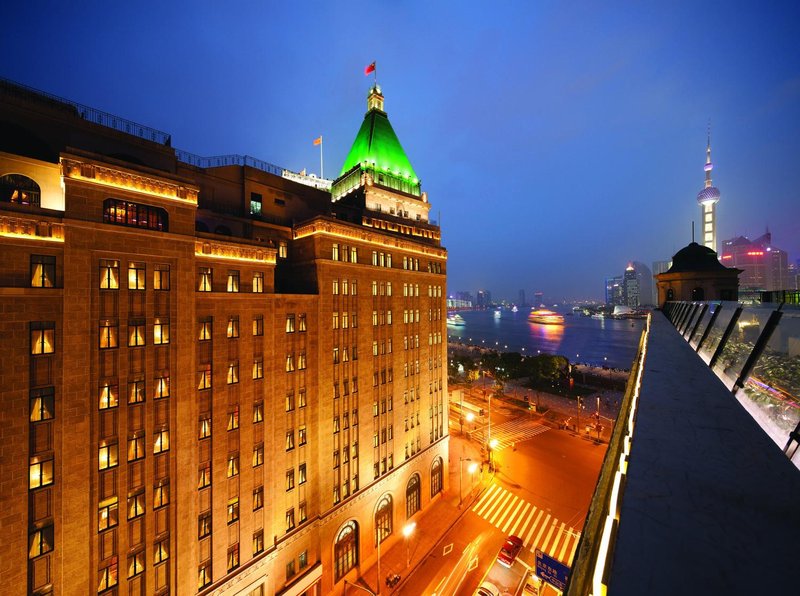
(539,151)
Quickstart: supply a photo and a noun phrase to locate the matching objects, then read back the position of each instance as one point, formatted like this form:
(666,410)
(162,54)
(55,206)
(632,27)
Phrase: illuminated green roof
(376,145)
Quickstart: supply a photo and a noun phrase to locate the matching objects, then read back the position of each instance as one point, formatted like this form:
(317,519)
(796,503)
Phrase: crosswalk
(537,528)
(510,432)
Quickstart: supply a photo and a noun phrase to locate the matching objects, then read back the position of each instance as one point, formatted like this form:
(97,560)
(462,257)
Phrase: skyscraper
(209,370)
(630,287)
(764,266)
(708,199)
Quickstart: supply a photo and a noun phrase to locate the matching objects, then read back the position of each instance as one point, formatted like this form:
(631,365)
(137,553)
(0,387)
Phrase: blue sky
(556,140)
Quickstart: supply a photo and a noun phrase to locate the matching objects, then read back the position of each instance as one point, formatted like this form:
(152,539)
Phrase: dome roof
(708,195)
(695,257)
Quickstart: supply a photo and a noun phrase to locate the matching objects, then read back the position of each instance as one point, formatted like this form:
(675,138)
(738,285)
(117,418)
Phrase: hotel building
(218,377)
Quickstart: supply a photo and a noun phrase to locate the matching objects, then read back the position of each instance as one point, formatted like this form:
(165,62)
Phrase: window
(107,514)
(136,447)
(233,465)
(290,570)
(258,411)
(290,519)
(107,575)
(19,189)
(258,367)
(289,362)
(161,442)
(301,474)
(204,279)
(383,519)
(40,472)
(161,277)
(135,563)
(258,455)
(301,361)
(162,387)
(43,271)
(204,476)
(136,333)
(233,510)
(204,376)
(233,281)
(289,323)
(42,402)
(204,574)
(436,477)
(204,525)
(43,338)
(160,331)
(108,334)
(233,418)
(412,496)
(40,542)
(233,326)
(136,276)
(258,325)
(283,249)
(289,480)
(205,426)
(303,559)
(109,274)
(258,542)
(345,549)
(303,512)
(255,203)
(125,213)
(205,330)
(136,504)
(335,252)
(301,322)
(301,435)
(258,498)
(161,494)
(289,440)
(258,282)
(161,551)
(107,456)
(233,372)
(136,392)
(301,398)
(353,254)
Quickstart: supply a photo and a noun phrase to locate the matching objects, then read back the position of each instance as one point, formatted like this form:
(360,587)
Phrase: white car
(487,589)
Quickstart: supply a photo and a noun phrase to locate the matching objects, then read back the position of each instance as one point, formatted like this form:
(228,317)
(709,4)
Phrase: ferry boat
(497,312)
(546,317)
(455,320)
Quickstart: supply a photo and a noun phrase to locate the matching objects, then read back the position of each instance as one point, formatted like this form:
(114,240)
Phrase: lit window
(233,510)
(107,576)
(353,288)
(136,392)
(205,330)
(205,476)
(40,472)
(42,402)
(335,287)
(258,412)
(301,435)
(161,551)
(109,274)
(258,455)
(161,443)
(258,368)
(301,475)
(353,254)
(136,504)
(233,326)
(108,334)
(43,271)
(204,525)
(233,557)
(40,542)
(205,427)
(107,456)
(204,376)
(233,418)
(258,542)
(161,494)
(301,398)
(204,574)
(107,514)
(258,325)
(136,276)
(136,447)
(126,213)
(289,440)
(233,465)
(161,331)
(233,281)
(289,480)
(303,559)
(289,362)
(135,563)
(336,320)
(43,338)
(289,323)
(136,333)
(233,372)
(256,200)
(335,252)
(336,355)
(301,361)
(204,279)
(162,387)
(258,282)
(283,249)
(258,498)
(161,277)
(301,322)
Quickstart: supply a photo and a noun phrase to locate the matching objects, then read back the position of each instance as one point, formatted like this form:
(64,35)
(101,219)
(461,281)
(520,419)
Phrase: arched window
(698,294)
(19,189)
(383,518)
(135,215)
(345,550)
(412,496)
(436,477)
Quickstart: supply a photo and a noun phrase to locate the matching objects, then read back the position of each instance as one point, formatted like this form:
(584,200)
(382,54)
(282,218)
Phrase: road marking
(447,549)
(499,507)
(508,511)
(520,517)
(574,548)
(541,531)
(527,521)
(547,538)
(567,538)
(533,526)
(473,564)
(484,499)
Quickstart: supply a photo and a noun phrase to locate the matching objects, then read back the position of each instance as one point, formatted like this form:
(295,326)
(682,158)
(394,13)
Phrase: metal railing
(219,161)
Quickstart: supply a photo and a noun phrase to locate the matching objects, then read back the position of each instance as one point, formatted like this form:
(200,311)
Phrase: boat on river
(455,320)
(545,317)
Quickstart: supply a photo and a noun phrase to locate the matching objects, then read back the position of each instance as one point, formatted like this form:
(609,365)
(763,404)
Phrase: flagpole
(321,168)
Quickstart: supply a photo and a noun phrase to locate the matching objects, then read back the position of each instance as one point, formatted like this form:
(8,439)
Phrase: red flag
(318,140)
(369,69)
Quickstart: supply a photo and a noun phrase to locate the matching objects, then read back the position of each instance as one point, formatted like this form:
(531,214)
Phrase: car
(508,554)
(487,589)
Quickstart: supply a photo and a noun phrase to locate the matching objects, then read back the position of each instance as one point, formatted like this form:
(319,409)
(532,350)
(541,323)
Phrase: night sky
(556,140)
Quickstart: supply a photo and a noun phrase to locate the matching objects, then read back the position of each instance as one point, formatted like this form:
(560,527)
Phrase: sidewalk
(436,521)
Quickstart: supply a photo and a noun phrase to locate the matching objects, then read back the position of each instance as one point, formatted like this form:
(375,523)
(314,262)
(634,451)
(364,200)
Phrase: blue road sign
(552,571)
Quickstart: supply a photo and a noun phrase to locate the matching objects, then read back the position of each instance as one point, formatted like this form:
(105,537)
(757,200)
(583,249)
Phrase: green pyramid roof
(376,147)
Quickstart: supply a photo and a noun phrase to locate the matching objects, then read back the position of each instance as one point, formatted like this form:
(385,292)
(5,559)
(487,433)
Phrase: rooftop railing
(219,161)
(755,350)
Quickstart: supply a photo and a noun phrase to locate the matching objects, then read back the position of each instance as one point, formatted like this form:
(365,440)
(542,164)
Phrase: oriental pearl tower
(708,199)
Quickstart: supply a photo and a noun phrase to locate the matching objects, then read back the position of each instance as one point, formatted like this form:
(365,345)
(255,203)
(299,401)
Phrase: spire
(375,99)
(709,166)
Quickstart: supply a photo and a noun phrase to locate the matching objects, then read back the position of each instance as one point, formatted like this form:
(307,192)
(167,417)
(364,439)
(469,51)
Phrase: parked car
(487,589)
(508,554)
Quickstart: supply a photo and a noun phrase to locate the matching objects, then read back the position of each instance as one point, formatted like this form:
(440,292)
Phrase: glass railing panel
(689,321)
(740,344)
(712,306)
(772,391)
(720,325)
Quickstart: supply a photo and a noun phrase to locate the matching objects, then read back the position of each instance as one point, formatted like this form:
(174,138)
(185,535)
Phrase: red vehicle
(508,554)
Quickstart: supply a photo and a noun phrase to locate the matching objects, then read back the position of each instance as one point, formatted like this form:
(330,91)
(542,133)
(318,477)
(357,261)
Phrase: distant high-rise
(483,299)
(614,287)
(645,279)
(522,297)
(630,287)
(764,267)
(708,199)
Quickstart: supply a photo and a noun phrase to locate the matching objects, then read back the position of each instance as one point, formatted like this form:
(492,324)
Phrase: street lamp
(492,446)
(408,530)
(472,468)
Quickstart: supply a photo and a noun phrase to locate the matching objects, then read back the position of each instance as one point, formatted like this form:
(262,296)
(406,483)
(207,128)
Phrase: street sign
(552,571)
